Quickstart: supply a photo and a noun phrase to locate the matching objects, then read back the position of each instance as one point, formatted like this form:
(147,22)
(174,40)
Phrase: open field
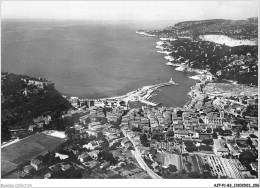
(7,166)
(231,89)
(168,159)
(27,149)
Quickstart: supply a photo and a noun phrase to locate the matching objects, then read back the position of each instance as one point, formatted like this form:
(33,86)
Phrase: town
(213,136)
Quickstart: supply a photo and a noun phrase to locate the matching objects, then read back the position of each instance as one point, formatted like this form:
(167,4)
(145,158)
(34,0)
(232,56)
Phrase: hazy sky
(128,10)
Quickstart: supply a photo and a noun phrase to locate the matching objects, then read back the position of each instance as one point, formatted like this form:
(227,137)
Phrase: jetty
(141,94)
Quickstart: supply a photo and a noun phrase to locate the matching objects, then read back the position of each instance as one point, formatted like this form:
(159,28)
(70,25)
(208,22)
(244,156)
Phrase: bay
(91,59)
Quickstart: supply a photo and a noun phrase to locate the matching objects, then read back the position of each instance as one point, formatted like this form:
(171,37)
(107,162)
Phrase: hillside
(228,49)
(238,29)
(24,98)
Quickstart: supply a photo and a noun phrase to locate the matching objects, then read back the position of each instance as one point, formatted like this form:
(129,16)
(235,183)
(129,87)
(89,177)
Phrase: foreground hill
(24,98)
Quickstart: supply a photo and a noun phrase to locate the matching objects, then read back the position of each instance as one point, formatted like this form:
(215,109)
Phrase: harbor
(140,95)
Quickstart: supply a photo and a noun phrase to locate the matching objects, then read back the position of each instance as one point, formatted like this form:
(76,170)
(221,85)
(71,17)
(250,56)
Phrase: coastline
(201,75)
(142,94)
(130,96)
(158,138)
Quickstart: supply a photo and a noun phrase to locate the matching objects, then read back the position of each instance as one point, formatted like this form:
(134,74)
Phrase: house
(212,119)
(195,134)
(125,141)
(97,134)
(136,170)
(153,143)
(65,167)
(91,145)
(126,173)
(61,156)
(47,176)
(111,138)
(254,166)
(155,165)
(181,134)
(121,158)
(242,143)
(94,154)
(91,164)
(128,146)
(28,169)
(46,119)
(251,101)
(83,157)
(32,128)
(220,147)
(178,126)
(37,164)
(255,142)
(104,165)
(233,148)
(55,168)
(40,125)
(203,136)
(36,83)
(166,146)
(85,119)
(111,131)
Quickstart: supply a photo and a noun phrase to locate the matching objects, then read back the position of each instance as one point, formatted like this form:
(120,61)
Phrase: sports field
(27,149)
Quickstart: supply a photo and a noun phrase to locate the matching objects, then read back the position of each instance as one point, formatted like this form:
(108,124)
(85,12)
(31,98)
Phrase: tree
(67,122)
(205,148)
(249,141)
(254,173)
(237,134)
(191,148)
(215,136)
(247,165)
(246,157)
(189,165)
(172,168)
(69,132)
(5,134)
(194,175)
(144,140)
(170,134)
(72,173)
(184,171)
(189,143)
(207,141)
(107,156)
(244,127)
(207,167)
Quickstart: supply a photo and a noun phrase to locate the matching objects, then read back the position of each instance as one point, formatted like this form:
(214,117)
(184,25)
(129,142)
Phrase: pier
(141,94)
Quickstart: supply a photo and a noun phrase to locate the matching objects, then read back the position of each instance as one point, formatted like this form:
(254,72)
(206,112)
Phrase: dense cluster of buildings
(101,127)
(203,129)
(203,132)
